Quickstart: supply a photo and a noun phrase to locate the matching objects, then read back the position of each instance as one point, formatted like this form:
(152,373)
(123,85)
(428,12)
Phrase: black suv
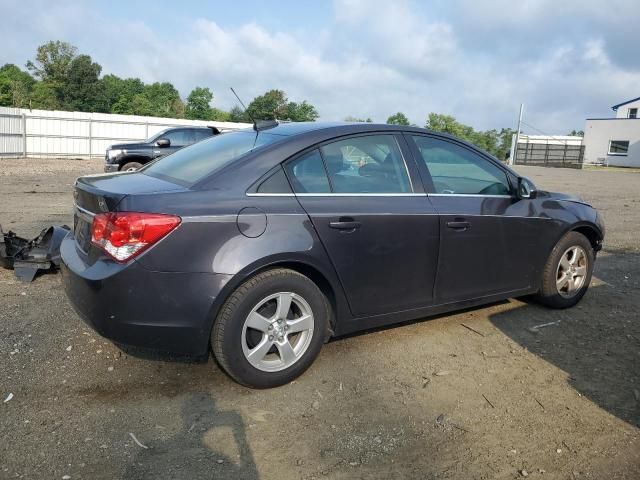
(132,156)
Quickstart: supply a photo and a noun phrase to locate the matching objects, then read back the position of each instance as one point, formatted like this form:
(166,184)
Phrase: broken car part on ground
(27,257)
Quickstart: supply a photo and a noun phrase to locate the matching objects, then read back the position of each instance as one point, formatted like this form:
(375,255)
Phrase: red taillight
(123,235)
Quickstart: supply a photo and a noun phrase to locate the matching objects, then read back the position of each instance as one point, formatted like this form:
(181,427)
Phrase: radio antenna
(255,125)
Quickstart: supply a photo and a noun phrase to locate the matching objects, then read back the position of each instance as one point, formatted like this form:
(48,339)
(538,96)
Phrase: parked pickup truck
(132,156)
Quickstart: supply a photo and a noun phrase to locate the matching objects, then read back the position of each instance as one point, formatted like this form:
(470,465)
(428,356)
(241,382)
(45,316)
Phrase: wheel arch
(592,232)
(327,284)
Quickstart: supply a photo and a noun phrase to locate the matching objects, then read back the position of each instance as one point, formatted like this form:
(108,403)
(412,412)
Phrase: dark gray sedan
(263,244)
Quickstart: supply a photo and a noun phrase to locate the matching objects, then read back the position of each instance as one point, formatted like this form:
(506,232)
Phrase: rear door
(488,238)
(373,218)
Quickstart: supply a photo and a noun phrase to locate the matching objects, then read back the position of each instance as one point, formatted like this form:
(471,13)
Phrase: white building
(614,141)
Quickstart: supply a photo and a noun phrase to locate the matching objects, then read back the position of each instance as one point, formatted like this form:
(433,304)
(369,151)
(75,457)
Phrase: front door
(489,240)
(373,219)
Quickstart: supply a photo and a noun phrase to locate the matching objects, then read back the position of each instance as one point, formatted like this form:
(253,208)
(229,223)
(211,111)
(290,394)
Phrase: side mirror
(163,143)
(526,189)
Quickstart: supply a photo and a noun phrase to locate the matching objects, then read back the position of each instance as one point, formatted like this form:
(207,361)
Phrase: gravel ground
(429,399)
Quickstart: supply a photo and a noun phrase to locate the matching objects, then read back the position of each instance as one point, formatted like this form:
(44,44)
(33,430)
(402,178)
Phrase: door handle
(345,223)
(459,225)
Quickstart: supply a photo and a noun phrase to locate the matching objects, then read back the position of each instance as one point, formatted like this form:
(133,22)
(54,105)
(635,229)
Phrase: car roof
(297,128)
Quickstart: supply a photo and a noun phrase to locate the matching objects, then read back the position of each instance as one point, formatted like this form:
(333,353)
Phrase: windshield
(190,164)
(156,136)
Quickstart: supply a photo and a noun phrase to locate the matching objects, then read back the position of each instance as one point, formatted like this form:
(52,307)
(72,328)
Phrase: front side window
(178,138)
(193,163)
(307,173)
(633,113)
(618,147)
(367,164)
(456,170)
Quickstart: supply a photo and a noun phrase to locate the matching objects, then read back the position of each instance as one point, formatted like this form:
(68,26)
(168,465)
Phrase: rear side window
(190,164)
(307,173)
(276,183)
(457,170)
(367,164)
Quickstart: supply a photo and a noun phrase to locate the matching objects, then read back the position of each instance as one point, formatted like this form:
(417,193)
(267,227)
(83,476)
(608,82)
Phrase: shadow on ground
(201,447)
(597,342)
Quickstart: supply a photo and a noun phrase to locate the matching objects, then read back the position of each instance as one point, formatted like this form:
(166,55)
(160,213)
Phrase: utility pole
(515,148)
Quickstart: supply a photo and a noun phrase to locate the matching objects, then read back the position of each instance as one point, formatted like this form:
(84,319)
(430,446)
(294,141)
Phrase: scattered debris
(524,473)
(66,477)
(559,450)
(315,404)
(539,402)
(488,401)
(9,397)
(27,257)
(69,348)
(442,373)
(536,328)
(137,441)
(110,369)
(220,461)
(472,329)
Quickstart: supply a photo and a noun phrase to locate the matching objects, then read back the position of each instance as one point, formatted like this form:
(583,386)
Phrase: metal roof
(615,107)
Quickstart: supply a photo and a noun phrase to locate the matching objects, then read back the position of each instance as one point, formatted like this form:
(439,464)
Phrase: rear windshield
(190,164)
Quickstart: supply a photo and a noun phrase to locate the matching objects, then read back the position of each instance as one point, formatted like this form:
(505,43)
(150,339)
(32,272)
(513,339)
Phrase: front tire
(131,167)
(271,328)
(567,273)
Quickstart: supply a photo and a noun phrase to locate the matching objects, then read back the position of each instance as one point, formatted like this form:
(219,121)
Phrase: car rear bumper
(170,312)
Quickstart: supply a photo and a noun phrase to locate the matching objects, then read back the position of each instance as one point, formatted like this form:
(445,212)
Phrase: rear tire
(271,328)
(131,167)
(567,273)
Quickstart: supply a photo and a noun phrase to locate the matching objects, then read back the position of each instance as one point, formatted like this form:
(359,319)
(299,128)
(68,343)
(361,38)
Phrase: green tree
(576,133)
(274,104)
(219,115)
(119,92)
(165,100)
(83,91)
(15,86)
(301,112)
(141,105)
(496,143)
(270,106)
(237,114)
(44,96)
(52,61)
(398,119)
(198,104)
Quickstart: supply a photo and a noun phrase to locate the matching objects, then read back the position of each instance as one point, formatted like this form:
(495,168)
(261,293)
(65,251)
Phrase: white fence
(44,133)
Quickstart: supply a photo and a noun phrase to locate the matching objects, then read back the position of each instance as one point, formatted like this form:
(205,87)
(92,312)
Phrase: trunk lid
(103,193)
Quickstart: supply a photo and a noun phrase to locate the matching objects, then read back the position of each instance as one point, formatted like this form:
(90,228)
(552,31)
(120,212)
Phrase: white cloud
(475,60)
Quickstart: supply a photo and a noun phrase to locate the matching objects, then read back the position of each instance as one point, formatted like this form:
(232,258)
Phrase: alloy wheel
(277,332)
(572,271)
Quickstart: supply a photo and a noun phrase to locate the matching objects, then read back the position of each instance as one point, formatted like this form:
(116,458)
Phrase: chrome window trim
(469,195)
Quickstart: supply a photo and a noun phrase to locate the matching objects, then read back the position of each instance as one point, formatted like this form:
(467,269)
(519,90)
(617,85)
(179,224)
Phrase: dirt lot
(427,400)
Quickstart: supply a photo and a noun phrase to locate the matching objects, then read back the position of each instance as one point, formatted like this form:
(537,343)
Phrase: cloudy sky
(477,60)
